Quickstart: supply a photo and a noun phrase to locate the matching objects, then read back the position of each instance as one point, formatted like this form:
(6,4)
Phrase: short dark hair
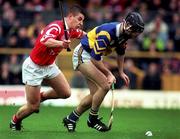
(75,9)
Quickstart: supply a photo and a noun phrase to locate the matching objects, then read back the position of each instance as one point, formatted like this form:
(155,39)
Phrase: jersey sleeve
(121,49)
(51,31)
(75,33)
(102,41)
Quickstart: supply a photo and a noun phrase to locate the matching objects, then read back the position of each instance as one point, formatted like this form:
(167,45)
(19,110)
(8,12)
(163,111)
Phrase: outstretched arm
(56,43)
(120,62)
(77,33)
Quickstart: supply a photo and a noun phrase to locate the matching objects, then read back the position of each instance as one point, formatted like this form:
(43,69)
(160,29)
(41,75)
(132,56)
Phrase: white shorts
(33,74)
(80,56)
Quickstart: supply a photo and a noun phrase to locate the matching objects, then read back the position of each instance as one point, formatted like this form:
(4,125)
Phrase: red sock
(15,119)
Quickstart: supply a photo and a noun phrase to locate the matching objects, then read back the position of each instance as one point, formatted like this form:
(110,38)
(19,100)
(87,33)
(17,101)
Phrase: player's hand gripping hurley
(65,28)
(112,108)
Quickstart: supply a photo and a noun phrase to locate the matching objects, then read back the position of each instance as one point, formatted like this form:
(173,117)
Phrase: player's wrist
(61,44)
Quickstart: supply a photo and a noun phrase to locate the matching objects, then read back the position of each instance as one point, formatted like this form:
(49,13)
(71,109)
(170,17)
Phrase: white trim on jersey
(48,34)
(56,25)
(118,30)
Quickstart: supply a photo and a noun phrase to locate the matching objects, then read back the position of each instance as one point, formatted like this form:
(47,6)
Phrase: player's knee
(66,94)
(34,108)
(105,87)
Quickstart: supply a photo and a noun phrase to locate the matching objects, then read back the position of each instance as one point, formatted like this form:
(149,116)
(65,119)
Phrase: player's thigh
(59,83)
(32,94)
(92,86)
(90,71)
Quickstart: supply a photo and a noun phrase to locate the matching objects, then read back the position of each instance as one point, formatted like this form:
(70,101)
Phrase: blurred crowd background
(22,20)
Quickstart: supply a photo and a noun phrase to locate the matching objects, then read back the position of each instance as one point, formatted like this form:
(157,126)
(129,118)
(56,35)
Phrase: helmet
(136,22)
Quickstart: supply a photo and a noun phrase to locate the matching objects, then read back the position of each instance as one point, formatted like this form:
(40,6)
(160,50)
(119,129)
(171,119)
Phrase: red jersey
(43,55)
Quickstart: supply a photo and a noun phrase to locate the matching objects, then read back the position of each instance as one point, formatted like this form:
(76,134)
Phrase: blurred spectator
(129,69)
(159,26)
(166,69)
(143,9)
(14,28)
(152,78)
(14,70)
(95,13)
(50,12)
(175,66)
(108,14)
(78,80)
(38,5)
(8,18)
(23,40)
(132,45)
(169,46)
(49,6)
(35,28)
(20,4)
(175,20)
(177,39)
(12,41)
(119,6)
(155,5)
(173,6)
(171,66)
(29,6)
(2,38)
(4,76)
(153,43)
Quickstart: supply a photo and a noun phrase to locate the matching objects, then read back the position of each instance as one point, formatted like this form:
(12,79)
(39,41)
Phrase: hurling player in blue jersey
(87,59)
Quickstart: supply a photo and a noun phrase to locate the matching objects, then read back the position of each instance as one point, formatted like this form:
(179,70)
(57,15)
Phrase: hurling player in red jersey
(40,65)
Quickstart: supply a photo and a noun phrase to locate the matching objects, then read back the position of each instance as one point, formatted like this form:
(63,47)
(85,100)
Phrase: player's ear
(70,15)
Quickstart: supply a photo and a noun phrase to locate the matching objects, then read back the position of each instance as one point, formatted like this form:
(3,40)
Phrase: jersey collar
(67,28)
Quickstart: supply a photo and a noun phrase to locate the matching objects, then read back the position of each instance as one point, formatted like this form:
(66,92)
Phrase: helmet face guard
(137,29)
(135,22)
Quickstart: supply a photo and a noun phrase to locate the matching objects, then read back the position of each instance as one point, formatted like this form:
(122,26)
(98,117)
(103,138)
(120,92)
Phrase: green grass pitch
(128,124)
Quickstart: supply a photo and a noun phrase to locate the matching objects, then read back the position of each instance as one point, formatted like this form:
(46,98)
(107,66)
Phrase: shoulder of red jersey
(52,30)
(57,25)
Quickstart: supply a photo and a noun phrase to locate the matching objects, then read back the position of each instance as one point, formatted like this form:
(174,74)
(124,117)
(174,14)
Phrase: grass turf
(128,124)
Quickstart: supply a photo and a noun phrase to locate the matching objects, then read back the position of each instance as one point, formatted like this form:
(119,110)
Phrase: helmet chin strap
(124,23)
(126,27)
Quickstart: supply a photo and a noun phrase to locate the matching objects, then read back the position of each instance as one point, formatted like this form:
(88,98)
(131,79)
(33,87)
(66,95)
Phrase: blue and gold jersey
(104,39)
